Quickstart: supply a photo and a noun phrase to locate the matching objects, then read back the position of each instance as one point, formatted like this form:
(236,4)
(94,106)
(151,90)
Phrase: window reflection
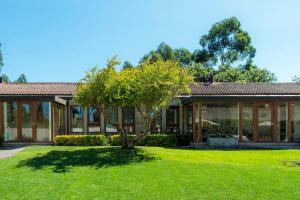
(128,117)
(94,120)
(219,119)
(282,115)
(247,117)
(43,121)
(10,121)
(113,113)
(295,122)
(172,115)
(76,119)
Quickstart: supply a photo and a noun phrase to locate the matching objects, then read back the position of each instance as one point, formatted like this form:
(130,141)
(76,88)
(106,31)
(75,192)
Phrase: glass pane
(265,122)
(113,113)
(43,132)
(26,121)
(247,134)
(128,119)
(56,119)
(77,119)
(10,121)
(282,130)
(94,120)
(172,120)
(156,125)
(190,119)
(220,119)
(296,122)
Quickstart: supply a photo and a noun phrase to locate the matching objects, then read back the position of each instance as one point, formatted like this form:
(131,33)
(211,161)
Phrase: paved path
(10,151)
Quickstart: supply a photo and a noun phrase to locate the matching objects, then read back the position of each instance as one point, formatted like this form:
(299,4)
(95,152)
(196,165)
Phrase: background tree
(226,73)
(21,79)
(5,78)
(152,57)
(225,43)
(251,73)
(183,56)
(296,79)
(127,65)
(156,84)
(202,73)
(1,59)
(165,51)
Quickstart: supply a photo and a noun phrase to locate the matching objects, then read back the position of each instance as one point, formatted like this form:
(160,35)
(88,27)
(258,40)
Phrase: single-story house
(248,112)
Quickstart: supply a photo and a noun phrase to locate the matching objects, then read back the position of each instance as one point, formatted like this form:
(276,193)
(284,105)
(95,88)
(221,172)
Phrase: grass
(150,173)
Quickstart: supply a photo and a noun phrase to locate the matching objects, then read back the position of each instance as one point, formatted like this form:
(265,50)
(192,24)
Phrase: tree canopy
(226,53)
(22,79)
(149,87)
(225,43)
(1,59)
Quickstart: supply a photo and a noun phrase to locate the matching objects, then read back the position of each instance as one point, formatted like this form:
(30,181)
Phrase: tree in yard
(149,87)
(106,88)
(225,43)
(157,83)
(21,79)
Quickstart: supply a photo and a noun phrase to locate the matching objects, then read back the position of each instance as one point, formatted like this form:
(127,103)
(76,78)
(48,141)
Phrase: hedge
(116,140)
(159,140)
(81,140)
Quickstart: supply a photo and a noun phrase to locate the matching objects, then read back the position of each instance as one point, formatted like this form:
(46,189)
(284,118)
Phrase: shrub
(159,140)
(116,140)
(81,140)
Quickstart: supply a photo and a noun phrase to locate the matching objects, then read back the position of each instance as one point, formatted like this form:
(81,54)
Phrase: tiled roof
(202,89)
(39,89)
(230,88)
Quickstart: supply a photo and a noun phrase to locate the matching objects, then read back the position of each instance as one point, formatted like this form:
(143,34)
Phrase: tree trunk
(123,133)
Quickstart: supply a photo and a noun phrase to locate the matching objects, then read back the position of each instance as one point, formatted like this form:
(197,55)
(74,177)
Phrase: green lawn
(150,173)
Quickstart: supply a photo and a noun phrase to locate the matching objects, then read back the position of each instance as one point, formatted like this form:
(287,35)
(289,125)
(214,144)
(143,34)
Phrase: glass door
(265,122)
(26,121)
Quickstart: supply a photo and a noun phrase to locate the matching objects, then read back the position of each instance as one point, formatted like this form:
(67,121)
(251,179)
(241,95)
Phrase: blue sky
(58,40)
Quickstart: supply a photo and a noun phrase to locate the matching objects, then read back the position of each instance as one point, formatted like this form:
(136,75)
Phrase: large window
(94,120)
(282,129)
(128,117)
(76,119)
(172,115)
(26,119)
(295,122)
(220,119)
(189,118)
(247,117)
(59,119)
(10,121)
(113,114)
(156,125)
(265,122)
(43,121)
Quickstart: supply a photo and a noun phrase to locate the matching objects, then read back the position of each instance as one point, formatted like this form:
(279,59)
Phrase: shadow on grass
(63,160)
(292,163)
